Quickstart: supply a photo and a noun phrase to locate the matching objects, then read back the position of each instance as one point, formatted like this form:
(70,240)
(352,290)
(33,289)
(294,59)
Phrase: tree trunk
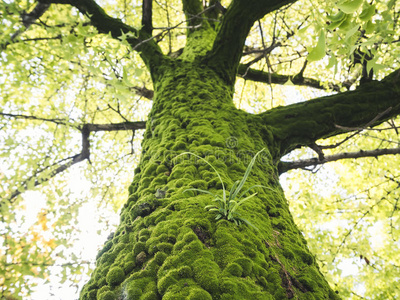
(168,246)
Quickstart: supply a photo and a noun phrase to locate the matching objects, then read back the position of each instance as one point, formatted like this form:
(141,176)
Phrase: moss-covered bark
(304,123)
(168,246)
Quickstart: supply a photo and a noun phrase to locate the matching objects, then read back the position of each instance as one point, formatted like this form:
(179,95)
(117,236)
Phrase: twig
(312,162)
(72,160)
(27,21)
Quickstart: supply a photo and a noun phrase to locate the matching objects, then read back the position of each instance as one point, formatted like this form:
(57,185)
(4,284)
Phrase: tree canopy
(75,91)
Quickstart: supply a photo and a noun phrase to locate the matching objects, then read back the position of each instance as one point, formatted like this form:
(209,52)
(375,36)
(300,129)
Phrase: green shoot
(226,208)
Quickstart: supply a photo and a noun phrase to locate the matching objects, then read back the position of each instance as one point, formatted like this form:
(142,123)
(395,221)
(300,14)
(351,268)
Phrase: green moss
(305,256)
(91,295)
(310,281)
(150,296)
(106,247)
(199,294)
(145,206)
(144,233)
(124,238)
(141,258)
(102,290)
(189,237)
(246,264)
(273,277)
(108,258)
(185,272)
(160,257)
(179,146)
(102,281)
(234,269)
(288,254)
(115,276)
(280,294)
(167,280)
(109,295)
(165,247)
(206,274)
(133,293)
(182,182)
(199,184)
(129,266)
(150,170)
(139,247)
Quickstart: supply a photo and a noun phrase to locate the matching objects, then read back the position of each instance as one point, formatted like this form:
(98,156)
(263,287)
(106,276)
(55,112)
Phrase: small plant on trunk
(226,206)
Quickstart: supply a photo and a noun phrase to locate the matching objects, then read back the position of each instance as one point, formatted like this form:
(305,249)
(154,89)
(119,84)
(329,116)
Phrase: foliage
(357,216)
(62,71)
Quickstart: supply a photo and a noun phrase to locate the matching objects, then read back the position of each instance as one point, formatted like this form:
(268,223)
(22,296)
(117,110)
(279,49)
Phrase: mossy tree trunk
(167,245)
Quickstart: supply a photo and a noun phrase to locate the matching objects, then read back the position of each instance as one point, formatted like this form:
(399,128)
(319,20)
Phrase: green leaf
(237,205)
(248,223)
(350,7)
(367,13)
(351,32)
(337,17)
(138,72)
(210,207)
(346,22)
(332,62)
(232,191)
(246,174)
(256,186)
(370,28)
(318,52)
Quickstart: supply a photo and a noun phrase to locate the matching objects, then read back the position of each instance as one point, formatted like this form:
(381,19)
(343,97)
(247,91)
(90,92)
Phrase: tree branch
(140,40)
(29,117)
(85,129)
(193,10)
(27,20)
(115,126)
(285,166)
(260,76)
(304,123)
(236,24)
(36,13)
(147,16)
(144,92)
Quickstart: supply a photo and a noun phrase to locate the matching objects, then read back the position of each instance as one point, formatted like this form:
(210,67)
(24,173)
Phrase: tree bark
(167,245)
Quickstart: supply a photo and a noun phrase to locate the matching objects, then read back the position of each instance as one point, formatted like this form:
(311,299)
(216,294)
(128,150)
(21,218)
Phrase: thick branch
(214,13)
(147,15)
(261,76)
(144,92)
(192,10)
(236,24)
(285,166)
(304,123)
(114,126)
(139,40)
